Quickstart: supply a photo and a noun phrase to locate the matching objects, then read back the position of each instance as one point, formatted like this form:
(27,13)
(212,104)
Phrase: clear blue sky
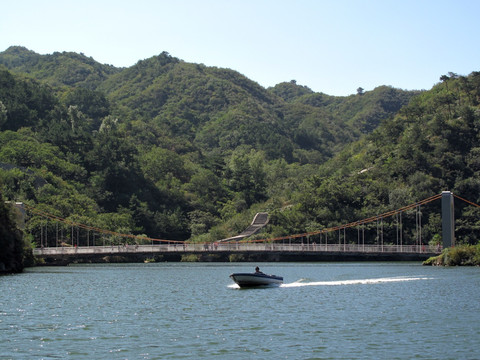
(332,46)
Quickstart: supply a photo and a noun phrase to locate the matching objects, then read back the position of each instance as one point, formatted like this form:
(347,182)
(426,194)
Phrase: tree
(444,79)
(3,114)
(163,165)
(11,241)
(248,177)
(207,189)
(26,101)
(93,104)
(114,170)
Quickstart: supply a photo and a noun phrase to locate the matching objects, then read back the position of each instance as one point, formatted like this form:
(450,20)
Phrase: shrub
(463,255)
(236,258)
(190,258)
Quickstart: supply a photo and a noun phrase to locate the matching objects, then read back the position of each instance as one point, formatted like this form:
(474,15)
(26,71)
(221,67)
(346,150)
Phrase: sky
(333,46)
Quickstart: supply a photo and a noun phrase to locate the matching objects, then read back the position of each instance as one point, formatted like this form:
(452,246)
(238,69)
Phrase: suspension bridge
(381,237)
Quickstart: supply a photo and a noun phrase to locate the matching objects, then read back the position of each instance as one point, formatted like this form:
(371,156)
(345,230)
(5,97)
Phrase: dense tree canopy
(183,151)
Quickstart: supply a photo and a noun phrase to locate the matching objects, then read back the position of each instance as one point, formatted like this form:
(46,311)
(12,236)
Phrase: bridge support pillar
(448,220)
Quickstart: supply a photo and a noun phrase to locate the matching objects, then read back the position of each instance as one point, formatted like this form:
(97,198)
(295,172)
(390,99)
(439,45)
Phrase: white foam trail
(354,282)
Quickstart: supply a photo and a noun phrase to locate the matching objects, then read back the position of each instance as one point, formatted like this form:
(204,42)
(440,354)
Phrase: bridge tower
(448,220)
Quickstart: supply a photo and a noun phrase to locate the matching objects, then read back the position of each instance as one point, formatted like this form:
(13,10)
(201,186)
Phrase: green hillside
(183,151)
(430,146)
(57,69)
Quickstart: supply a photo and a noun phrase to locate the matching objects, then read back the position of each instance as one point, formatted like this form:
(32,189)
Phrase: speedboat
(255,279)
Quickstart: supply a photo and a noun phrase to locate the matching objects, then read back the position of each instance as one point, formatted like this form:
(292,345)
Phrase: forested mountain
(184,151)
(362,112)
(57,69)
(206,108)
(431,145)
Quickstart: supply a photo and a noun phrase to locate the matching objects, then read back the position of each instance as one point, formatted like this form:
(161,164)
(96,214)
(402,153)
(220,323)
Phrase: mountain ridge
(184,151)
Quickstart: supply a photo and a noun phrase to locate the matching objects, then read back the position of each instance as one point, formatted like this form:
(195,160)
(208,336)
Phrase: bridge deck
(235,247)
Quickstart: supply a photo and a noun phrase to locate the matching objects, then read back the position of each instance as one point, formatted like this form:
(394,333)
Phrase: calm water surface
(194,311)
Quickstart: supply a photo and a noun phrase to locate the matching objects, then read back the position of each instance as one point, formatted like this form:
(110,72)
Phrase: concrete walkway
(259,221)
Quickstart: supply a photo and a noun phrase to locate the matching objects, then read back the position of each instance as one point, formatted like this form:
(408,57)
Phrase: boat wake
(303,282)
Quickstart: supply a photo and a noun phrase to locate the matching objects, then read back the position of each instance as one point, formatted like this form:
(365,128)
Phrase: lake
(194,311)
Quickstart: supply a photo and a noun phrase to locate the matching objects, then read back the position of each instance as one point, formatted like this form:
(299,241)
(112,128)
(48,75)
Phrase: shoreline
(227,256)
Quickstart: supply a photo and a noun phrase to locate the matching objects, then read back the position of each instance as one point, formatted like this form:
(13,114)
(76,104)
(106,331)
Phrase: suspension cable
(323,231)
(467,201)
(358,222)
(93,228)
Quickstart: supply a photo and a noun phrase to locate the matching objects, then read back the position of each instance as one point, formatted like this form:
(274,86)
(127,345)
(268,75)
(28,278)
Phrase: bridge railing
(312,247)
(235,247)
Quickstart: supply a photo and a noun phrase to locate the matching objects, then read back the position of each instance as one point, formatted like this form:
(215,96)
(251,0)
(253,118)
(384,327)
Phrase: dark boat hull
(256,279)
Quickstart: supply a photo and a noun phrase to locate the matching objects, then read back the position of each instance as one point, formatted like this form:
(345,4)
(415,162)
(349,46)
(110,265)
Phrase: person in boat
(257,270)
